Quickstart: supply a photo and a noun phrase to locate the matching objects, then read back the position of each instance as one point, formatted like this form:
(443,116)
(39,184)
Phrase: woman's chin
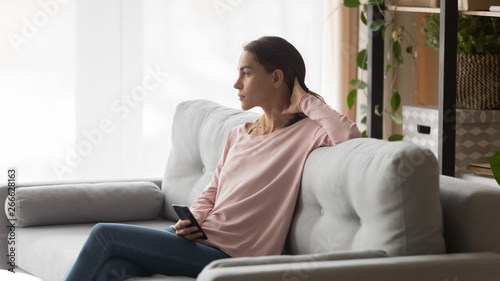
(244,106)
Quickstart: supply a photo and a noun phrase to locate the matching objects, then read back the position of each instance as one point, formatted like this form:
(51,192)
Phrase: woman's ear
(278,78)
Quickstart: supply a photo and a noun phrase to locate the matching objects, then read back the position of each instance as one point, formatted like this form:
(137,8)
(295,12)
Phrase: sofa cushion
(85,203)
(48,252)
(199,131)
(368,194)
(471,216)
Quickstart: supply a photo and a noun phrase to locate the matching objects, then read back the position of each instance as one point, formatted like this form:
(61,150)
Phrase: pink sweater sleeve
(336,127)
(204,204)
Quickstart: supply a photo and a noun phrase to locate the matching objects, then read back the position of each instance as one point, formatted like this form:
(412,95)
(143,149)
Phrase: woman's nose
(237,85)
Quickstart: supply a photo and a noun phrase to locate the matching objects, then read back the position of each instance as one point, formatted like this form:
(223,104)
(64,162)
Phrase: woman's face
(254,84)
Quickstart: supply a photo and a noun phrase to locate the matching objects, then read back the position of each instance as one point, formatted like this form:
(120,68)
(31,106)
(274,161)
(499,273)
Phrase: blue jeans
(116,252)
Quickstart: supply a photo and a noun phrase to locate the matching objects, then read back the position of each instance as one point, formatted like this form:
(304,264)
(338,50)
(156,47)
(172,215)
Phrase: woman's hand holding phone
(190,233)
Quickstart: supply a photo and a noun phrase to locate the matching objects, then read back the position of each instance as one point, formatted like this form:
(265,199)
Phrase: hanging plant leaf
(396,50)
(397,118)
(362,59)
(363,18)
(358,84)
(377,25)
(351,97)
(375,2)
(363,134)
(362,108)
(351,3)
(363,121)
(396,36)
(387,68)
(377,110)
(495,165)
(396,137)
(395,101)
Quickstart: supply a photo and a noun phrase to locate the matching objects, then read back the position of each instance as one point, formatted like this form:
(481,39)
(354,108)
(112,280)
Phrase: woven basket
(478,81)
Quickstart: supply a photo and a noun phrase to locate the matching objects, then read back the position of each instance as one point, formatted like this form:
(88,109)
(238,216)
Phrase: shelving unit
(447,76)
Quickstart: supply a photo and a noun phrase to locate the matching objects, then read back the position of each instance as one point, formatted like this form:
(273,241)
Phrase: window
(89,88)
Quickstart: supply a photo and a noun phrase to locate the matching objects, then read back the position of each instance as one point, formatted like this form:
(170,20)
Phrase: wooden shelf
(413,9)
(482,13)
(438,10)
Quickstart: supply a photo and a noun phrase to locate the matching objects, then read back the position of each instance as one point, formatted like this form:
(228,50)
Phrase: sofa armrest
(452,267)
(85,203)
(5,229)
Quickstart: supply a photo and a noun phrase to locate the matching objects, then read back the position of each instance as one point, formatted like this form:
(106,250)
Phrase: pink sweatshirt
(247,208)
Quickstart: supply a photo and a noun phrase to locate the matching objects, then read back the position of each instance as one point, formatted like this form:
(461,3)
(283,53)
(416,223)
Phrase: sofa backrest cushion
(199,131)
(368,194)
(471,216)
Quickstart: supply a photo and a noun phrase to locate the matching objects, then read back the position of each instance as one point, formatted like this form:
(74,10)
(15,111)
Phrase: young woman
(247,208)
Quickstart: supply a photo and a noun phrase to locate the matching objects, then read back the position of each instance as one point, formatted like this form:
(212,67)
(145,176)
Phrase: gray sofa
(368,210)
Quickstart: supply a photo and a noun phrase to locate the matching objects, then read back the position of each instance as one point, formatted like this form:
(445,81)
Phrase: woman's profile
(247,207)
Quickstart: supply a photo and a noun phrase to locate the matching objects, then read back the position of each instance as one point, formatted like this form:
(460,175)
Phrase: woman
(247,208)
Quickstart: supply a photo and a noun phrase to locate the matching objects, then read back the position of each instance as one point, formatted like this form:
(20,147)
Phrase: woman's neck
(272,120)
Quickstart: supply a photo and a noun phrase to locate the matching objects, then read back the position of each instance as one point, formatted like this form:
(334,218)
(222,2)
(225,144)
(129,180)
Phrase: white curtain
(89,88)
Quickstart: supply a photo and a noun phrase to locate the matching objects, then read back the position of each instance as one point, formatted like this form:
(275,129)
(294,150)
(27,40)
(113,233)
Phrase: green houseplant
(478,59)
(495,165)
(400,42)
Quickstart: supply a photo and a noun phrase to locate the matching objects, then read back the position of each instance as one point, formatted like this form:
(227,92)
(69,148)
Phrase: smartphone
(184,213)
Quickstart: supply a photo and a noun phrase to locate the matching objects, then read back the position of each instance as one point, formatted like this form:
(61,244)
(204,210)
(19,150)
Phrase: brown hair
(273,53)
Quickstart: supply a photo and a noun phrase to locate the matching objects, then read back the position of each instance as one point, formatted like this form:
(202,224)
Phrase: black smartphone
(184,213)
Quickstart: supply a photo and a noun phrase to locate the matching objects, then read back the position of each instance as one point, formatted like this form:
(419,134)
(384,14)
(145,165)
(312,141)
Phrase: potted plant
(478,59)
